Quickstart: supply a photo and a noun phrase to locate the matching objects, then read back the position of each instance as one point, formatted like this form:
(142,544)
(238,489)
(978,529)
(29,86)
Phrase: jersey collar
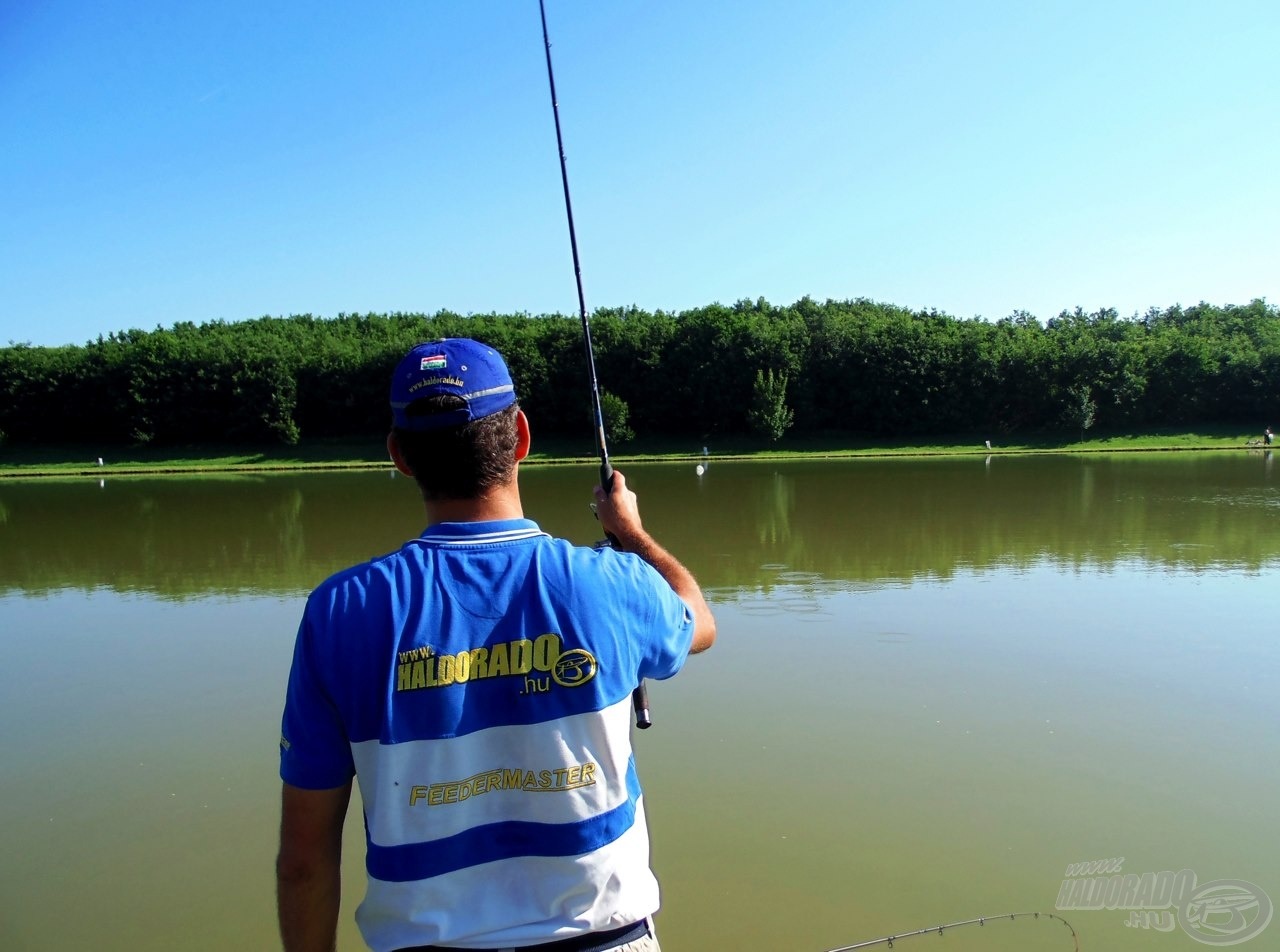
(480,533)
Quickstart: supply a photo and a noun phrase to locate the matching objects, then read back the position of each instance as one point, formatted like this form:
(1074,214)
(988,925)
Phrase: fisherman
(477,684)
(1266,436)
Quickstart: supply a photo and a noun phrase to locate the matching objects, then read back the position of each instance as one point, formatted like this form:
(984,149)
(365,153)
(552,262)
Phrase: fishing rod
(888,940)
(639,696)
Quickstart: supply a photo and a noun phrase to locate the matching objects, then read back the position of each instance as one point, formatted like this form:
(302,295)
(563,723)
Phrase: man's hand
(618,511)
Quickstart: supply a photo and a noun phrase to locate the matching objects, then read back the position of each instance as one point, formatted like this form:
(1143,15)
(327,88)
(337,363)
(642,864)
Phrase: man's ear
(397,457)
(523,437)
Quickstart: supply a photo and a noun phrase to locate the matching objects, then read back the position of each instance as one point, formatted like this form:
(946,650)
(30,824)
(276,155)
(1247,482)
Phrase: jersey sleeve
(670,625)
(315,753)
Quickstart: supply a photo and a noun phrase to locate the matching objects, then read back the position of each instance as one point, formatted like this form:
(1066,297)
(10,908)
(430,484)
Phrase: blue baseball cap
(457,367)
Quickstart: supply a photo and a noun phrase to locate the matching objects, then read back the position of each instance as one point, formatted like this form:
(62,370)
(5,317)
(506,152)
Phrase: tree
(1080,410)
(615,412)
(769,414)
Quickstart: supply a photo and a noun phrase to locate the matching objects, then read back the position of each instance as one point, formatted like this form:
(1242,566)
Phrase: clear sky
(164,161)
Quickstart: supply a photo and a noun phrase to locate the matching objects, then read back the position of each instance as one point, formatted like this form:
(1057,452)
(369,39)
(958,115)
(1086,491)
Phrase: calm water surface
(938,684)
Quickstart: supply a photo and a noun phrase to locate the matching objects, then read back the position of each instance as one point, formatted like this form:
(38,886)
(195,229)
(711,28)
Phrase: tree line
(854,367)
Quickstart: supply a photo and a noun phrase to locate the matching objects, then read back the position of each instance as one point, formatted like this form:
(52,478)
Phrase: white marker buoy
(700,469)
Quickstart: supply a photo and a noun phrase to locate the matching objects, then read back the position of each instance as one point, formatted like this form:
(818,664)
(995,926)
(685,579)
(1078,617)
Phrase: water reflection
(753,528)
(176,538)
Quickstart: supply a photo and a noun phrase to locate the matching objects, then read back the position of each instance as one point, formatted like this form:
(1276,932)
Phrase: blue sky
(162,162)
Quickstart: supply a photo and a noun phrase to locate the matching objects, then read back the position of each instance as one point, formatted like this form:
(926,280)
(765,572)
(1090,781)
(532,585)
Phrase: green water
(938,684)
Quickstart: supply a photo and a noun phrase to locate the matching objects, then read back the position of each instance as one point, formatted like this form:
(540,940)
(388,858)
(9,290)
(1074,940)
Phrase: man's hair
(459,462)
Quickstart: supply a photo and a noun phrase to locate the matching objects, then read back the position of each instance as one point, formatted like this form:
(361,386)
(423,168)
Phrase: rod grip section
(640,702)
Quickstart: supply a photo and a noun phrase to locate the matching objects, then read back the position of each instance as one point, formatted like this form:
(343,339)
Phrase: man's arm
(308,869)
(620,517)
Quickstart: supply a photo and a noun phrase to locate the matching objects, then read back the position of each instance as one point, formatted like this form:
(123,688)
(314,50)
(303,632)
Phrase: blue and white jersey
(478,684)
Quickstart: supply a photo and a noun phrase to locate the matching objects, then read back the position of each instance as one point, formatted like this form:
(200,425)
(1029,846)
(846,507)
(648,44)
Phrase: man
(477,684)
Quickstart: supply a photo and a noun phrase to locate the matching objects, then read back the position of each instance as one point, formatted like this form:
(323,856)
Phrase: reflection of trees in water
(777,528)
(776,498)
(286,520)
(193,537)
(1087,485)
(872,522)
(778,588)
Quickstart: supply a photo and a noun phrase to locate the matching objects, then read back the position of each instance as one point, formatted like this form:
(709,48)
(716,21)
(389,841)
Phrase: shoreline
(347,458)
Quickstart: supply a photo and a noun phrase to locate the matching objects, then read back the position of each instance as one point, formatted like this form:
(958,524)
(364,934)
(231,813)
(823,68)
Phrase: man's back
(478,681)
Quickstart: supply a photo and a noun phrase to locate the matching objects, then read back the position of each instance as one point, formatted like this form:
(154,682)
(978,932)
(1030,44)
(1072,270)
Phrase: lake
(943,689)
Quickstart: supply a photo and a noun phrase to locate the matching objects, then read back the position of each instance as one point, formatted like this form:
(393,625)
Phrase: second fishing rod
(639,696)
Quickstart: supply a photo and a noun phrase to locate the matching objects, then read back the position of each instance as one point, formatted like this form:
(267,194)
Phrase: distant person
(477,684)
(1266,436)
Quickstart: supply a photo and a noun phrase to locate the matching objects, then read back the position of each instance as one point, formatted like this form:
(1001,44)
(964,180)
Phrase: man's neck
(500,503)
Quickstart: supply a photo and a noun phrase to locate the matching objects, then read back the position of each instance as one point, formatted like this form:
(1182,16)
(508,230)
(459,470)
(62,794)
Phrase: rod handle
(606,483)
(640,694)
(640,703)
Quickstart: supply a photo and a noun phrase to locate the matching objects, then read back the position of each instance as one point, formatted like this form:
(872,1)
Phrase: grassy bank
(33,461)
